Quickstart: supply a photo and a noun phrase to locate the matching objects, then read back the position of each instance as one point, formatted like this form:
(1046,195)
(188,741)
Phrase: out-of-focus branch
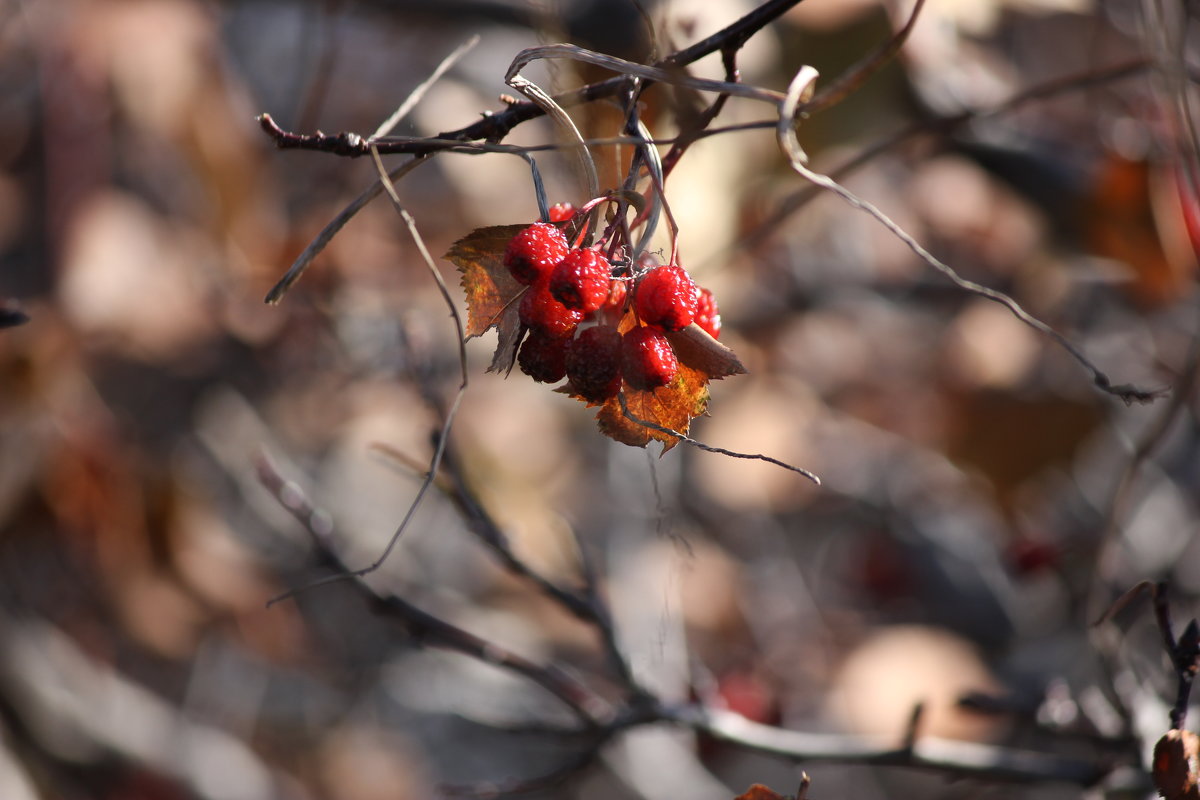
(80,711)
(790,146)
(957,758)
(588,607)
(857,75)
(426,629)
(941,126)
(11,316)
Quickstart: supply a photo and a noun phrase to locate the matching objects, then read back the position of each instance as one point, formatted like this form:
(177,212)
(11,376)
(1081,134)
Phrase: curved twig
(683,437)
(790,145)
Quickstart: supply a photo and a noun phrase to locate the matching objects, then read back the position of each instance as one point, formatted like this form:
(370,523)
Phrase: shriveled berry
(707,316)
(540,312)
(666,298)
(581,280)
(561,212)
(647,359)
(594,362)
(534,251)
(543,358)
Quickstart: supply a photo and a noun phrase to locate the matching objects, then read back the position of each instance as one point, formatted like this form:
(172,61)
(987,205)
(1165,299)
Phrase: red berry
(561,212)
(647,360)
(594,362)
(543,358)
(540,312)
(616,296)
(707,316)
(534,251)
(666,298)
(581,280)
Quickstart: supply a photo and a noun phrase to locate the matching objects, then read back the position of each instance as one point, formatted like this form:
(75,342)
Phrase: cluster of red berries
(568,286)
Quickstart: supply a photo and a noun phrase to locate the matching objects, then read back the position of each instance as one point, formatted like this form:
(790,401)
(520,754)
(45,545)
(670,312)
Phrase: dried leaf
(1176,774)
(694,347)
(760,792)
(491,291)
(671,406)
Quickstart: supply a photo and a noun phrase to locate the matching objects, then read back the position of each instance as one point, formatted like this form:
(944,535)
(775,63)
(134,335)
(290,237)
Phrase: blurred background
(982,503)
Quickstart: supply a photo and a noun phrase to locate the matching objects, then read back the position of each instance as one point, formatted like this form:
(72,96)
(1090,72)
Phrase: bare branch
(709,448)
(496,125)
(944,126)
(331,229)
(417,94)
(425,628)
(857,75)
(942,755)
(790,146)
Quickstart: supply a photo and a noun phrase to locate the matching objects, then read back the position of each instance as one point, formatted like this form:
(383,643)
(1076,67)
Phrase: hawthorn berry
(666,298)
(581,280)
(616,296)
(707,315)
(543,358)
(534,251)
(561,212)
(647,359)
(594,362)
(540,312)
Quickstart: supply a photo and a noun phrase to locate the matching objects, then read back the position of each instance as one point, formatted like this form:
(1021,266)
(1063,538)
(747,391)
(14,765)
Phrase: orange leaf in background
(760,792)
(1137,214)
(491,290)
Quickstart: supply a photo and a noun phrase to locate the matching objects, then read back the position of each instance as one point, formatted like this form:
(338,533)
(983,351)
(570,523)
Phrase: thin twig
(709,448)
(346,214)
(440,448)
(587,164)
(570,768)
(589,608)
(418,94)
(790,146)
(331,229)
(425,628)
(698,126)
(655,74)
(940,125)
(856,76)
(495,126)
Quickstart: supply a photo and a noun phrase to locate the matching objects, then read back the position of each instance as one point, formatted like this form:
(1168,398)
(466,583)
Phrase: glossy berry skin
(534,251)
(542,314)
(647,359)
(561,212)
(666,298)
(543,358)
(581,280)
(616,296)
(594,363)
(707,315)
